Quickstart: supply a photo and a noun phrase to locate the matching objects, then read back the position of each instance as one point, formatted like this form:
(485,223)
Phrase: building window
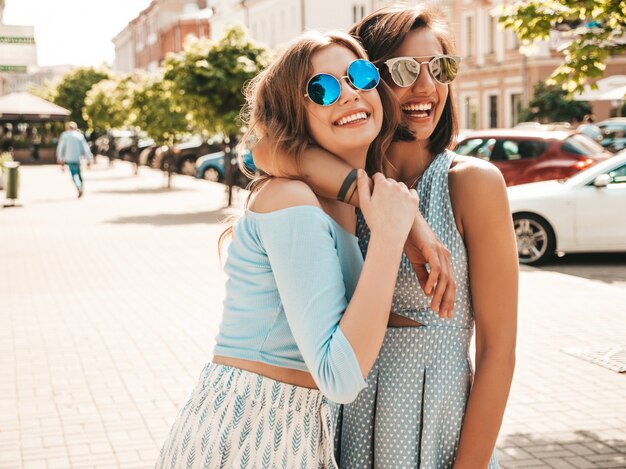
(492,35)
(493,111)
(471,113)
(513,40)
(272,31)
(516,108)
(469,35)
(358,13)
(281,29)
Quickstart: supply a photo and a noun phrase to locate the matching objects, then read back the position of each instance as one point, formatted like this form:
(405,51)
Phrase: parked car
(182,156)
(121,144)
(525,155)
(613,133)
(585,213)
(146,156)
(131,151)
(211,168)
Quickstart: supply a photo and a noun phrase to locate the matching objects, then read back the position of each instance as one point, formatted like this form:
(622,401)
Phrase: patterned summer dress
(411,413)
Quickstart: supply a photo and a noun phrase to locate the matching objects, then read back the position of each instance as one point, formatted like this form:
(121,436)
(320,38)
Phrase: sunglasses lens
(404,72)
(323,89)
(444,69)
(363,75)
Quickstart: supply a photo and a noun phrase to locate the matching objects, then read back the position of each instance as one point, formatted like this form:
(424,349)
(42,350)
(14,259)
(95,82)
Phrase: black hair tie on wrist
(347,183)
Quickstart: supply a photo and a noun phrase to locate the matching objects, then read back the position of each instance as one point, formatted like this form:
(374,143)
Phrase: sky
(74,32)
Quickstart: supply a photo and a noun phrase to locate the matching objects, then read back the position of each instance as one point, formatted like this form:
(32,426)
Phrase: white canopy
(611,88)
(24,106)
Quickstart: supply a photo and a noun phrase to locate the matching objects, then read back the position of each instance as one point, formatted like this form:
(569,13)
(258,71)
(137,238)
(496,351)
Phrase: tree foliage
(107,103)
(155,111)
(70,93)
(550,104)
(208,78)
(592,31)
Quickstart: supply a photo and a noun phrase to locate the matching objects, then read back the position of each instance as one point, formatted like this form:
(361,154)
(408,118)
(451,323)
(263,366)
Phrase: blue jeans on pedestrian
(76,176)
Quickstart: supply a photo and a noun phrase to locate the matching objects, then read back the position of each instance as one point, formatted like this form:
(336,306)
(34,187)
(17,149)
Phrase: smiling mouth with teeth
(356,117)
(418,110)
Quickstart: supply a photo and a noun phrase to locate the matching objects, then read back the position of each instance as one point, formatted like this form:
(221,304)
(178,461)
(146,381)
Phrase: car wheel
(188,167)
(536,242)
(212,174)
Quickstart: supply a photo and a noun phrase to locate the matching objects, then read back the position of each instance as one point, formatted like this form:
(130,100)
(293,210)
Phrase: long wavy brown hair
(275,103)
(383,31)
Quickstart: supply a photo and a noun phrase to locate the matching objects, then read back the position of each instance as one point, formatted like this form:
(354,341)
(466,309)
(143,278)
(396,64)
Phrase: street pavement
(109,306)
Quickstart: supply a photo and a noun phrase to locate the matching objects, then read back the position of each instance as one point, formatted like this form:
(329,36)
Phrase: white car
(585,213)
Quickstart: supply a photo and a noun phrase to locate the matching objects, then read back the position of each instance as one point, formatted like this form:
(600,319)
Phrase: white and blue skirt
(238,419)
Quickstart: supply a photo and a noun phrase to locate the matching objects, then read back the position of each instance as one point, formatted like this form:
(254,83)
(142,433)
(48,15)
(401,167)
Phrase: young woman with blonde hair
(304,315)
(424,407)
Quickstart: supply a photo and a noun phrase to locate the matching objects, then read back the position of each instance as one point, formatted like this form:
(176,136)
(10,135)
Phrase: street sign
(14,68)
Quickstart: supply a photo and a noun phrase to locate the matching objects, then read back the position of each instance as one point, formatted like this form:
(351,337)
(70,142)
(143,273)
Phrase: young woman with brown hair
(304,315)
(424,407)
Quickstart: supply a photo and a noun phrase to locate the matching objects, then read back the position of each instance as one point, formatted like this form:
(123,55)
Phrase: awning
(26,107)
(611,88)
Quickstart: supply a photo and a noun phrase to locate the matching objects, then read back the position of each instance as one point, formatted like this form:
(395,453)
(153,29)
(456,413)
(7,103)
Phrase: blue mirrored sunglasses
(325,89)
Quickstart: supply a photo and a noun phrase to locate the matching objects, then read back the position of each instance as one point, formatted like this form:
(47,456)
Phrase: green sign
(13,68)
(17,40)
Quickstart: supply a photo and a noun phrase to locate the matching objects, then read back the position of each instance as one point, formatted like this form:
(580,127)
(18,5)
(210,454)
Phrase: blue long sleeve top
(72,146)
(291,274)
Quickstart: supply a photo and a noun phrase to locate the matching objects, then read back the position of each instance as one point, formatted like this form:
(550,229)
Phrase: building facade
(37,77)
(158,30)
(18,51)
(496,80)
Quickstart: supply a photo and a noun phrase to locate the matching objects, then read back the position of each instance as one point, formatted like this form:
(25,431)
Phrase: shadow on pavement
(90,176)
(146,190)
(580,449)
(169,219)
(606,267)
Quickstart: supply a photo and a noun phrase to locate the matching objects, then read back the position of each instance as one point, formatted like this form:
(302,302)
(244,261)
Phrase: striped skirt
(238,419)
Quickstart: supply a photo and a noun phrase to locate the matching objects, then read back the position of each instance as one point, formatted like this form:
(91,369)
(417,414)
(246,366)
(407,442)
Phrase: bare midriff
(277,373)
(395,320)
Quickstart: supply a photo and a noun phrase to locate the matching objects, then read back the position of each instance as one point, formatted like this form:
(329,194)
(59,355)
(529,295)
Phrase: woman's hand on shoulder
(280,193)
(390,209)
(272,161)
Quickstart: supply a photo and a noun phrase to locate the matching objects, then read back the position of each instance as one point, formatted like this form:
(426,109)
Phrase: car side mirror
(602,180)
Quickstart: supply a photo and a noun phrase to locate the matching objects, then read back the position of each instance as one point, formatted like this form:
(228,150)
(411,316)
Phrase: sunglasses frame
(391,62)
(338,80)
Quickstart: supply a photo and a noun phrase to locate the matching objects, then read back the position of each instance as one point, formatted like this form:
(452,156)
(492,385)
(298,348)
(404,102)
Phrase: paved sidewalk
(109,305)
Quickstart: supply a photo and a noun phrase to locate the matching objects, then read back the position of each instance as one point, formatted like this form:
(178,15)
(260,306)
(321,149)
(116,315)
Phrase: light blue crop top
(291,274)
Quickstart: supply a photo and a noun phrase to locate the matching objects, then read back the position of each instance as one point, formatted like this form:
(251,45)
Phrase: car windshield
(599,168)
(581,145)
(614,130)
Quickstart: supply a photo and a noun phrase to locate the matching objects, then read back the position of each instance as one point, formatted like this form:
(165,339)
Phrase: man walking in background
(71,149)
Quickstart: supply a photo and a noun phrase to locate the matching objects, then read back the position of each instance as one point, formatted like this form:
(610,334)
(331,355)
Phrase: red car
(533,155)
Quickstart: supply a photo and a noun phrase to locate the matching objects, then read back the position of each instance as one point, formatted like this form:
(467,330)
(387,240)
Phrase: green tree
(46,91)
(208,79)
(70,93)
(107,103)
(155,110)
(550,103)
(593,30)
